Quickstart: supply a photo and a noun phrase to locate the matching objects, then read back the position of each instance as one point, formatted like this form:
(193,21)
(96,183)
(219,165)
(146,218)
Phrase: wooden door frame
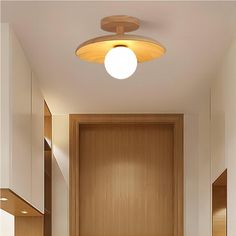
(75,120)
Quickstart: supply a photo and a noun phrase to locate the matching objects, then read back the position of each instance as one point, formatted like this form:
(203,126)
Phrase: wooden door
(126,180)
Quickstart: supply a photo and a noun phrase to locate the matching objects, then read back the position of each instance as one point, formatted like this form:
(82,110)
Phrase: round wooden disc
(95,50)
(128,23)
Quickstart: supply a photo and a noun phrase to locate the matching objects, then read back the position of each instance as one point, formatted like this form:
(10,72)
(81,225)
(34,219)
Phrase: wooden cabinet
(22,122)
(20,115)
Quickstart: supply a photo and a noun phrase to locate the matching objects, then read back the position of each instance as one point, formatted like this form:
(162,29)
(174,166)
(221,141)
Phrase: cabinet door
(5,108)
(20,72)
(37,146)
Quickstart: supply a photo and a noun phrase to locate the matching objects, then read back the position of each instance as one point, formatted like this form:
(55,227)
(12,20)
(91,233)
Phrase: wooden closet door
(126,180)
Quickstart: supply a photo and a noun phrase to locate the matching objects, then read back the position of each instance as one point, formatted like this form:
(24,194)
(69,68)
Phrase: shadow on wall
(60,175)
(60,196)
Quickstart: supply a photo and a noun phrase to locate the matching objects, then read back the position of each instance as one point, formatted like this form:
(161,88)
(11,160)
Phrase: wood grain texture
(16,204)
(126,180)
(46,110)
(174,119)
(221,180)
(95,50)
(128,23)
(219,206)
(47,219)
(28,226)
(47,125)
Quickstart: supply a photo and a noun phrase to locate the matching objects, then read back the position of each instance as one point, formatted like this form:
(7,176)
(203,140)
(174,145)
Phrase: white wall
(7,223)
(197,164)
(196,173)
(204,171)
(223,130)
(191,169)
(60,176)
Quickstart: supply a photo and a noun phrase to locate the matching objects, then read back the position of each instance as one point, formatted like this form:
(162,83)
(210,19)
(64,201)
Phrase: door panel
(126,180)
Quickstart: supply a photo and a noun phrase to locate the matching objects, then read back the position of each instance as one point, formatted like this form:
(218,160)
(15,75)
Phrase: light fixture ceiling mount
(120,24)
(96,49)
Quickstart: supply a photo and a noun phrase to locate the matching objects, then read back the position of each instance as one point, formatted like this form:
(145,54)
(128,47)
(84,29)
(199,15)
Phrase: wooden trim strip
(125,118)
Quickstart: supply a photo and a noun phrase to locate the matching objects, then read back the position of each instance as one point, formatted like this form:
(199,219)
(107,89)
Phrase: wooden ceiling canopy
(95,50)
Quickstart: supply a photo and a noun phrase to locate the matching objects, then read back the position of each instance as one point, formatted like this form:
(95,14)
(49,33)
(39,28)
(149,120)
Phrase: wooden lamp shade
(95,50)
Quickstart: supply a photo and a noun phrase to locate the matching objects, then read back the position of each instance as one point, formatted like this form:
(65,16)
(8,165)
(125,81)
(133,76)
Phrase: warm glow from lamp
(120,62)
(3,199)
(24,212)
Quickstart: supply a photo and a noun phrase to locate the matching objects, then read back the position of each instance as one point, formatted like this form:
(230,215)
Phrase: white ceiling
(196,35)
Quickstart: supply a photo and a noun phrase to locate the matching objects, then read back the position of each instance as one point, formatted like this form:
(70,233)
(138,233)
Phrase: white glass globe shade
(120,62)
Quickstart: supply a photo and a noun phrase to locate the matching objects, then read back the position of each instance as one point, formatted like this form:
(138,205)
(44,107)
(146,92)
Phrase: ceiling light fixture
(3,199)
(120,52)
(24,212)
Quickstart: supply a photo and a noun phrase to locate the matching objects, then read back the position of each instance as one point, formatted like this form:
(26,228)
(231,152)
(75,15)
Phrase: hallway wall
(197,175)
(60,176)
(223,130)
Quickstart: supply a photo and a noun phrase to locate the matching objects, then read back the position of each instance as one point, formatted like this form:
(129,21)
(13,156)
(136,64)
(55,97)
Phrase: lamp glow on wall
(120,52)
